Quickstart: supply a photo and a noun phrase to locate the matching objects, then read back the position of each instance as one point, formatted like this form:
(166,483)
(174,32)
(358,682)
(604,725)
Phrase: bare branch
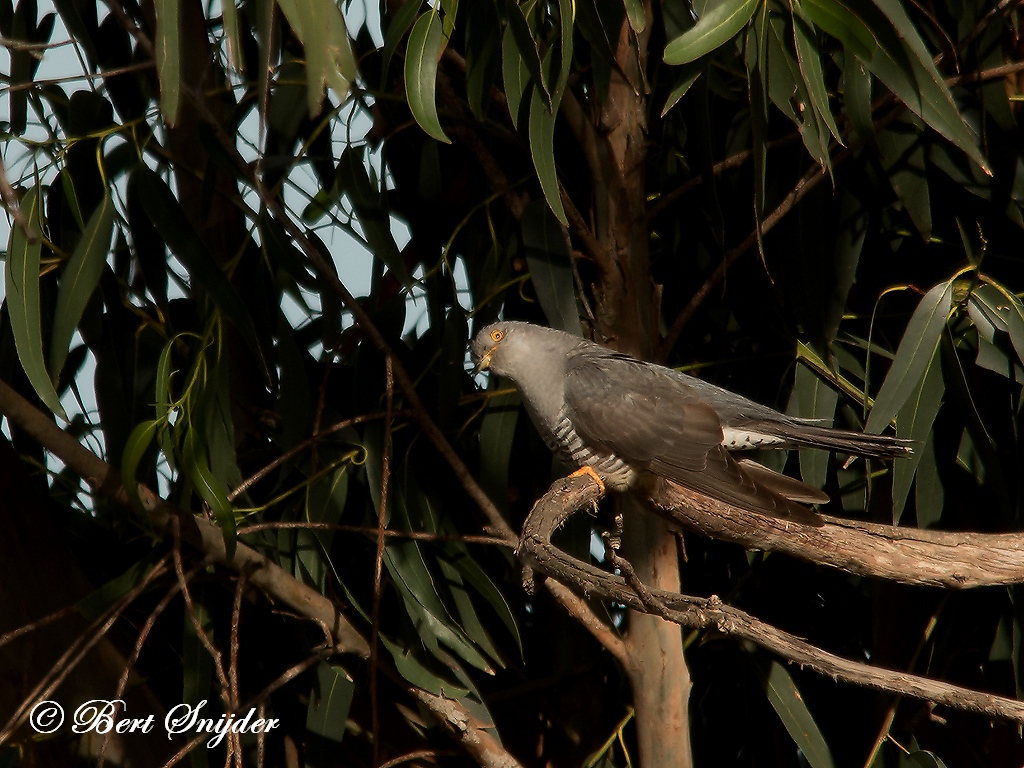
(268,576)
(905,555)
(573,493)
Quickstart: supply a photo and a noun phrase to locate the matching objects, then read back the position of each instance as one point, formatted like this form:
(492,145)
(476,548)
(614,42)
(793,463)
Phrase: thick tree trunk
(627,312)
(657,670)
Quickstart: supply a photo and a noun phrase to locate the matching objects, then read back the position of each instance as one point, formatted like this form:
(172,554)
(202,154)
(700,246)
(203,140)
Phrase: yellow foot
(589,470)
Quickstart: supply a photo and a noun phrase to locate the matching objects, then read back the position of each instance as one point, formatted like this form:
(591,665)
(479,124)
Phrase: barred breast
(564,441)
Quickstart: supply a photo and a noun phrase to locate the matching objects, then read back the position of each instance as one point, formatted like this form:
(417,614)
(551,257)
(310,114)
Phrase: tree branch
(573,493)
(904,555)
(205,536)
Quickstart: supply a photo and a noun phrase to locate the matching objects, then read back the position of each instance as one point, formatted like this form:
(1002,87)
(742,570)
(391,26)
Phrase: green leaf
(515,75)
(635,14)
(195,464)
(913,357)
(547,257)
(413,670)
(168,57)
(103,597)
(524,41)
(903,155)
(838,20)
(712,30)
(329,60)
(134,449)
(486,587)
(542,149)
(426,42)
(232,35)
(792,710)
(399,25)
(162,208)
(809,58)
(567,16)
(79,279)
(686,80)
(813,398)
(883,37)
(1004,309)
(929,495)
(21,281)
(857,98)
(369,205)
(496,432)
(329,704)
(469,621)
(922,759)
(407,567)
(914,421)
(483,56)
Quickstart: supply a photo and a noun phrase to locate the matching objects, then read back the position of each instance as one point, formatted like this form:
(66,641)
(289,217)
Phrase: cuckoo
(623,419)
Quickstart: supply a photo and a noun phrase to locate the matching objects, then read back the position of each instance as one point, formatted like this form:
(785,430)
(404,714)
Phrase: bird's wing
(657,423)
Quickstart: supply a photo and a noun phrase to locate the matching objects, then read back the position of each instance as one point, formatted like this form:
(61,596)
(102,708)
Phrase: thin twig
(378,563)
(373,531)
(309,442)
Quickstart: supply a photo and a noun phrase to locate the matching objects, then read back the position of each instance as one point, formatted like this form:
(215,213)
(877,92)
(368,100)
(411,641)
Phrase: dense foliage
(773,194)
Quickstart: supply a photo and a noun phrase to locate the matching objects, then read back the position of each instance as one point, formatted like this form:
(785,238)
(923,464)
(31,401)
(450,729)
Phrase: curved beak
(484,362)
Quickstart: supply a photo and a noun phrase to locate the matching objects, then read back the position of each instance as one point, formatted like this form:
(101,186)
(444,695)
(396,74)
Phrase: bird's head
(489,347)
(506,347)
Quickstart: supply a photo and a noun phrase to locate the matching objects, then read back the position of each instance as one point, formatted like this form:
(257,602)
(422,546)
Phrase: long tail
(847,441)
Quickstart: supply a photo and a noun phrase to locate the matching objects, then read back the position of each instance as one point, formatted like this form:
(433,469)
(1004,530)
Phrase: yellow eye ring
(497,335)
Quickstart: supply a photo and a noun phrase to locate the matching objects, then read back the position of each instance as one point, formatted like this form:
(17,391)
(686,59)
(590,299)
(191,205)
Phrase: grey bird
(622,419)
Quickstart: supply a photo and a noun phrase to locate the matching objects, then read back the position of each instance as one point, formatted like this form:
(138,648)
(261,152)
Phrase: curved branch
(573,493)
(203,535)
(905,555)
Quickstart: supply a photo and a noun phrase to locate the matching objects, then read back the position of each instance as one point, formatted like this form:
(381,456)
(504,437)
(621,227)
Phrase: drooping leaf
(524,40)
(369,206)
(232,35)
(326,716)
(172,224)
(808,56)
(426,41)
(903,154)
(515,75)
(195,464)
(913,357)
(168,57)
(79,280)
(914,421)
(889,45)
(686,80)
(496,434)
(547,257)
(542,149)
(399,26)
(138,443)
(812,398)
(21,281)
(791,708)
(715,28)
(328,55)
(635,14)
(929,495)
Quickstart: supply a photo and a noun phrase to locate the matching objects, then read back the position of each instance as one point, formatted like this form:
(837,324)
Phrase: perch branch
(573,493)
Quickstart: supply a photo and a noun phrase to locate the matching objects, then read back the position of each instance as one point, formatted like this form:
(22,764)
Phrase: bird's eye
(497,335)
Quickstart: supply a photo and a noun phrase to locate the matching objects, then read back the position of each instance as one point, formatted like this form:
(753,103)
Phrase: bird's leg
(613,540)
(586,469)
